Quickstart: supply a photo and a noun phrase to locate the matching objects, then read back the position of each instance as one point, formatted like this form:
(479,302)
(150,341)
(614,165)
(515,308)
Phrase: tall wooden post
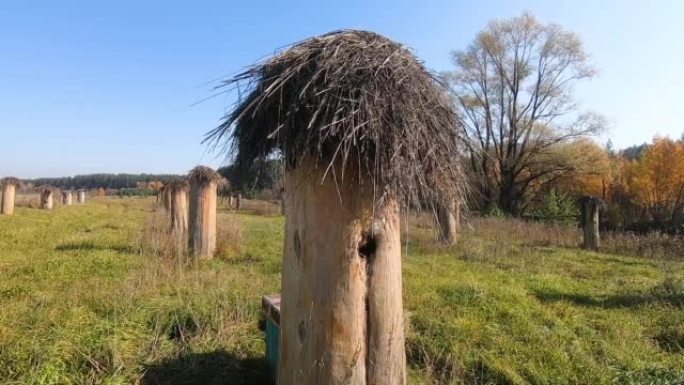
(448,218)
(46,199)
(342,315)
(81,196)
(9,192)
(590,222)
(202,225)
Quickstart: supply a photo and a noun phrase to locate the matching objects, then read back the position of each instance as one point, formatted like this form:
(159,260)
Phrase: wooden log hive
(448,221)
(178,194)
(81,196)
(202,221)
(9,192)
(590,222)
(67,198)
(47,198)
(364,129)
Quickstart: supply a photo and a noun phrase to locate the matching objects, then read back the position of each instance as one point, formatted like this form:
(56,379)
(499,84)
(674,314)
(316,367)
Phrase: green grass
(81,304)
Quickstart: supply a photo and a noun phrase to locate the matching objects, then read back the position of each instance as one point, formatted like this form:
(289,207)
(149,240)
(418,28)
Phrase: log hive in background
(590,222)
(9,193)
(202,220)
(47,199)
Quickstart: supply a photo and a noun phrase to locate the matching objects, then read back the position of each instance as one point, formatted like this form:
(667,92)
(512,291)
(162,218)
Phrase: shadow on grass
(91,246)
(213,368)
(654,296)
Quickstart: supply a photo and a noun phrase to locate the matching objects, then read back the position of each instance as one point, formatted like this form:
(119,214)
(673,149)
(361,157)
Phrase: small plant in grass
(558,208)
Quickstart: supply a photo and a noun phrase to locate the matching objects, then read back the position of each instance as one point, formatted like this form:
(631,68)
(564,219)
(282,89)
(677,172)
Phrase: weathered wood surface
(202,230)
(9,192)
(341,314)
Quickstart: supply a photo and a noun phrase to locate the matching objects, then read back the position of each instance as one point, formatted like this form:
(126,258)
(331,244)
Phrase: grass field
(86,298)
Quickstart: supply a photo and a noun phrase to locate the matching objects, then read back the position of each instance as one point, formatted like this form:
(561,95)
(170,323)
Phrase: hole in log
(368,246)
(297,245)
(301,331)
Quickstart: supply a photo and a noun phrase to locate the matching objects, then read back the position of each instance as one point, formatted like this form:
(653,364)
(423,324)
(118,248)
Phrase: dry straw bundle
(349,98)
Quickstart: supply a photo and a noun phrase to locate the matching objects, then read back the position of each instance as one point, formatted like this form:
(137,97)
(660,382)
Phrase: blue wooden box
(271,307)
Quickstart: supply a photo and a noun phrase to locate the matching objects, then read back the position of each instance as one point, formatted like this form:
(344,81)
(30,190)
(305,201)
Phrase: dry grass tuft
(230,238)
(157,240)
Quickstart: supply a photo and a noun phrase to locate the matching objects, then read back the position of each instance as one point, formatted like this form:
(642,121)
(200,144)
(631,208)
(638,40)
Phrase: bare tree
(513,87)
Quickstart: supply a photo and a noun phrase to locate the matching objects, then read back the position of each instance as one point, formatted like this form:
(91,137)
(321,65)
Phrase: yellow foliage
(657,180)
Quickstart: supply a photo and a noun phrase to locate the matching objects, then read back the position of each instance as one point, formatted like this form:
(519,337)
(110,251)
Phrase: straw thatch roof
(354,99)
(176,185)
(10,180)
(204,174)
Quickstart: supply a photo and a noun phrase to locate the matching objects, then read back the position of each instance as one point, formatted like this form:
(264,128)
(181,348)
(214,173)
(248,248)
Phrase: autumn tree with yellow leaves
(657,180)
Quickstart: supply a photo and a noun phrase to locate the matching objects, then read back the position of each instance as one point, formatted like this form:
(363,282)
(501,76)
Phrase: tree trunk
(342,314)
(448,222)
(592,240)
(202,232)
(46,200)
(238,199)
(9,192)
(67,198)
(81,197)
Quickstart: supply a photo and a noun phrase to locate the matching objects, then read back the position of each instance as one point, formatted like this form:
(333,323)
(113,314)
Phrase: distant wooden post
(166,198)
(9,192)
(590,222)
(46,199)
(238,199)
(448,218)
(178,191)
(67,198)
(81,196)
(202,225)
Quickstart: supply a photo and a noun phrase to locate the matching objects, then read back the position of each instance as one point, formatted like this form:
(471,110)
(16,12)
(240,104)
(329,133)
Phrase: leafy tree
(557,207)
(658,179)
(513,86)
(254,178)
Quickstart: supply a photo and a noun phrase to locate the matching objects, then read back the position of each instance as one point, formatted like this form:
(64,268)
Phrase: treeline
(107,181)
(642,187)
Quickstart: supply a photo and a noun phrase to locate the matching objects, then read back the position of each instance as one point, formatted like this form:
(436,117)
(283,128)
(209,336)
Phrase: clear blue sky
(94,86)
